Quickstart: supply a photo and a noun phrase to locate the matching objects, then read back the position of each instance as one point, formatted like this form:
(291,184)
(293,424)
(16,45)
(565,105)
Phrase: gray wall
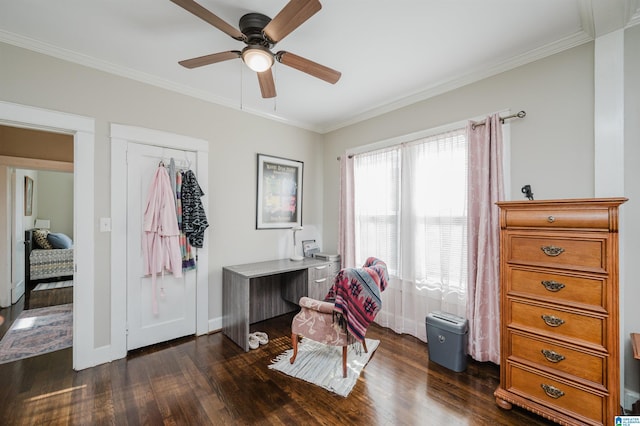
(55,200)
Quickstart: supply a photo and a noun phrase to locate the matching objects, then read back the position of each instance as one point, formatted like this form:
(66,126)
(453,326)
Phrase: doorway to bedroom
(47,238)
(39,180)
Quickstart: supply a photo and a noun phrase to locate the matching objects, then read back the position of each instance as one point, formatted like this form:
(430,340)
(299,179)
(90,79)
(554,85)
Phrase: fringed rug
(322,364)
(37,332)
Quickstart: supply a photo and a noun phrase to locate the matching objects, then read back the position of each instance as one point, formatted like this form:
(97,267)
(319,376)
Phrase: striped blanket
(356,295)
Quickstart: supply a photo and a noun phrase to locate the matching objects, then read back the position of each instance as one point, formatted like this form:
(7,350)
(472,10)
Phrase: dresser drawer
(558,394)
(564,288)
(547,353)
(585,254)
(556,323)
(593,218)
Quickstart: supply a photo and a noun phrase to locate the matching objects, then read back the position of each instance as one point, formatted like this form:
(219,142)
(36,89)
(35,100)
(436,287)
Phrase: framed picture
(279,198)
(28,196)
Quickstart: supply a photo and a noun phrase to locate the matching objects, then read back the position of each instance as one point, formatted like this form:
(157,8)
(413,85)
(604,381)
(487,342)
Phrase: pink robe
(160,237)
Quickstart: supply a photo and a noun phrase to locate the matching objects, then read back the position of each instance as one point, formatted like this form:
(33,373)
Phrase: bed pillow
(59,240)
(40,238)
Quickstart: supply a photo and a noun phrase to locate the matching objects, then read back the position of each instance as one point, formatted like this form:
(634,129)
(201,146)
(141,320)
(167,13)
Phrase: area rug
(322,364)
(38,331)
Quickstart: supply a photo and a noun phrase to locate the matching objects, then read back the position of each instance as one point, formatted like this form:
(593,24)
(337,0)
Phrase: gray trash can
(447,336)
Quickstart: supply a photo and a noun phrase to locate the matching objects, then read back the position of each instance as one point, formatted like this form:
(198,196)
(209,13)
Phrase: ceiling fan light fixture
(257,58)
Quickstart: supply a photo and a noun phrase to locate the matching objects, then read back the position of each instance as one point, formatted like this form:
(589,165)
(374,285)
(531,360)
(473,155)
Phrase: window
(411,211)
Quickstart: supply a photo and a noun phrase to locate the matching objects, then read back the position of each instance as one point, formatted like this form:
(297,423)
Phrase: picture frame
(28,196)
(279,192)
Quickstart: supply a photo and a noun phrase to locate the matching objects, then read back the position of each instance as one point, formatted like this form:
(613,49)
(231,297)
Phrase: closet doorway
(135,155)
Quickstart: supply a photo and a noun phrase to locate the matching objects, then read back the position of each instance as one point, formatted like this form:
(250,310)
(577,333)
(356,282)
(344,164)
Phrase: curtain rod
(519,114)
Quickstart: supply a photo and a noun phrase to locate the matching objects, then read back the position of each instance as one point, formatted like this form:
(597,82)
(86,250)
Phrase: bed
(48,272)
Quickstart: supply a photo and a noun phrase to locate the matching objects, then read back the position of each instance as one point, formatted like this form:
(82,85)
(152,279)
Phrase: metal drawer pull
(552,250)
(552,356)
(321,267)
(552,285)
(321,280)
(551,391)
(551,219)
(552,321)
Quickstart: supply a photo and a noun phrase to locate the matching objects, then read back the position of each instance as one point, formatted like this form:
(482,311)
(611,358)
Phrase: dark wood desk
(257,291)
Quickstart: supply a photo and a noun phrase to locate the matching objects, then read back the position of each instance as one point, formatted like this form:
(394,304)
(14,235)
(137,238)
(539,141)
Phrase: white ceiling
(390,52)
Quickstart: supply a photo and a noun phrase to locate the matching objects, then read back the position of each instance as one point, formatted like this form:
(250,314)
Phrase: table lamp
(296,256)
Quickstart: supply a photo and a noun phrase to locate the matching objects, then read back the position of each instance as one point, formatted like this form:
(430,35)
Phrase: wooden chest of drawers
(559,309)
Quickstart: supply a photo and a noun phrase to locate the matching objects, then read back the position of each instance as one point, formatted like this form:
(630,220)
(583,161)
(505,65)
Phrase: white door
(176,297)
(17,237)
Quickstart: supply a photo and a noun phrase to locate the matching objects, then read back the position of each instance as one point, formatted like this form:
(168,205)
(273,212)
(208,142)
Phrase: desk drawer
(565,288)
(319,288)
(319,271)
(547,353)
(558,394)
(558,252)
(320,280)
(557,323)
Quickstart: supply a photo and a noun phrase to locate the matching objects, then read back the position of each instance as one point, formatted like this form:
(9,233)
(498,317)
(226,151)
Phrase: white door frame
(121,136)
(83,131)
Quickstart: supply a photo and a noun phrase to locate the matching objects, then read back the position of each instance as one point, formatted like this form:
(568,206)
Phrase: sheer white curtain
(411,212)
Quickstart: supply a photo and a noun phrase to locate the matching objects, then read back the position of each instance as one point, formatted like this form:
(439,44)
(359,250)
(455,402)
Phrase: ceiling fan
(260,33)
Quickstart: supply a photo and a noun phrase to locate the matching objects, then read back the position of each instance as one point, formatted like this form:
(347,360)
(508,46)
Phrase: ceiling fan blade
(206,15)
(312,68)
(210,59)
(294,14)
(267,85)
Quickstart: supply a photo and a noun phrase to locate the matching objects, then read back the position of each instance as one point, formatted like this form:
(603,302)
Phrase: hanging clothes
(160,237)
(188,260)
(172,178)
(194,219)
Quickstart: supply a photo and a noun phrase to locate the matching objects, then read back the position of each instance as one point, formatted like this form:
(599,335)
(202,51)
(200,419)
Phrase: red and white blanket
(356,294)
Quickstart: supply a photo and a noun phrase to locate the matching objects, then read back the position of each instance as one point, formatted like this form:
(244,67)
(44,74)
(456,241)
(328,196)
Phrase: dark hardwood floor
(209,380)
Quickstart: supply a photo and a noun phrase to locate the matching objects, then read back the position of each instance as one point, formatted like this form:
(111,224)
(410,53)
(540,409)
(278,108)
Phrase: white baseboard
(215,324)
(101,355)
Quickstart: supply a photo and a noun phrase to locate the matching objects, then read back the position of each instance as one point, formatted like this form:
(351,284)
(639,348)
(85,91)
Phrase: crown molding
(476,75)
(108,67)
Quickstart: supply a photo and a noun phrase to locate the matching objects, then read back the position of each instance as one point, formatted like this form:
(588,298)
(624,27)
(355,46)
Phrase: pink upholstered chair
(354,300)
(315,322)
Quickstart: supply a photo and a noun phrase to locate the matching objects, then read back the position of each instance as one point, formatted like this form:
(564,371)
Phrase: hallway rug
(38,331)
(322,364)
